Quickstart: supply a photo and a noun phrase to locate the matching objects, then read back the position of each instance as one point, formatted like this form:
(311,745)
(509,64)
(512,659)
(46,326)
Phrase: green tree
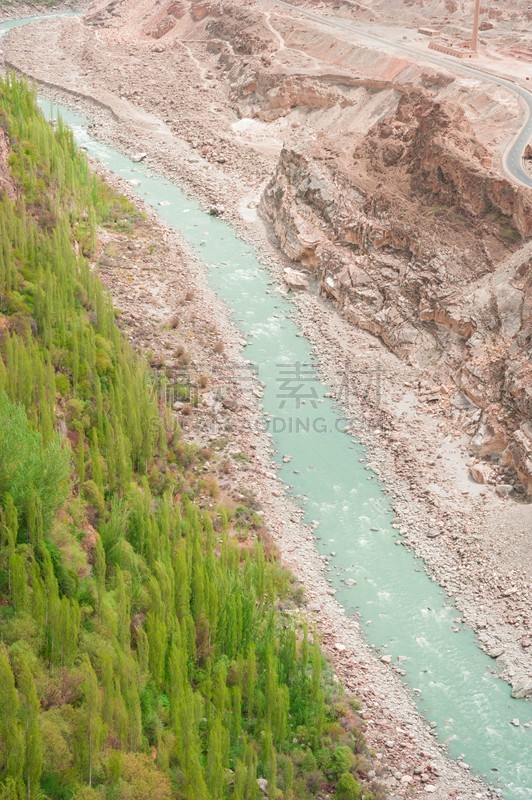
(93,729)
(99,574)
(27,465)
(29,710)
(8,533)
(11,740)
(8,790)
(217,759)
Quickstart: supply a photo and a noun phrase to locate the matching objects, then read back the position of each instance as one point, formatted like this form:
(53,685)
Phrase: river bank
(392,432)
(165,283)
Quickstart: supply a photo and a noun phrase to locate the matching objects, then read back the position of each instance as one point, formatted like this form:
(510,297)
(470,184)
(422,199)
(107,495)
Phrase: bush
(93,495)
(347,788)
(141,780)
(343,760)
(62,385)
(87,793)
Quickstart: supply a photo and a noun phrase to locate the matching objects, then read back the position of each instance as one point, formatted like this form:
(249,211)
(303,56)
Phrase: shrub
(93,495)
(62,385)
(141,780)
(347,788)
(88,793)
(344,760)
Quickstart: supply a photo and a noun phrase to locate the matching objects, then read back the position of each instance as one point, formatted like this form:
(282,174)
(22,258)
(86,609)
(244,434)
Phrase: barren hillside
(388,189)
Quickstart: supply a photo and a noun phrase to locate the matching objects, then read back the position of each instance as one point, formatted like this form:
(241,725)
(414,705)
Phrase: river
(401,610)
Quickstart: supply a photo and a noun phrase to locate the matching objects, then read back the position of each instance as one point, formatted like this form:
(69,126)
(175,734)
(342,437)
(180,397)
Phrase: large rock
(522,689)
(295,279)
(479,473)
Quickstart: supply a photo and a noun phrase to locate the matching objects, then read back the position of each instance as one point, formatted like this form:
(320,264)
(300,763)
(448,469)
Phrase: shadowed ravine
(400,608)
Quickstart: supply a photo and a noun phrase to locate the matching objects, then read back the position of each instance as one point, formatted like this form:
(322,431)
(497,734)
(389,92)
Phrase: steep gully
(512,159)
(403,611)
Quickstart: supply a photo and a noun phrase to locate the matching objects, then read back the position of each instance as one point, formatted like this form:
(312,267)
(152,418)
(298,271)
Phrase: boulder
(522,690)
(295,279)
(479,473)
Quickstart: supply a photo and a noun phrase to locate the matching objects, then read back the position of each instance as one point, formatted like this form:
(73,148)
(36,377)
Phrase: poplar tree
(11,739)
(92,732)
(99,574)
(29,711)
(8,533)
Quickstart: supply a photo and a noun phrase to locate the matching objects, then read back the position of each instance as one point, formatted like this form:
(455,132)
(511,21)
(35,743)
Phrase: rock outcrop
(415,239)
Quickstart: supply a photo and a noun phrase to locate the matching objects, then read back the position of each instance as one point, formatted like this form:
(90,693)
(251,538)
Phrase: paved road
(513,157)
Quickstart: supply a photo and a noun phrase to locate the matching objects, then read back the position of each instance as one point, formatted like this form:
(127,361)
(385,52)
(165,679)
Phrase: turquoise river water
(400,608)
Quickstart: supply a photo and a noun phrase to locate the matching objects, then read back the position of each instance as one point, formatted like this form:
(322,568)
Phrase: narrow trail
(272,29)
(200,68)
(283,46)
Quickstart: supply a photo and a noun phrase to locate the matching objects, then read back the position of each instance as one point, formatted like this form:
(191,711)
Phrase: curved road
(513,157)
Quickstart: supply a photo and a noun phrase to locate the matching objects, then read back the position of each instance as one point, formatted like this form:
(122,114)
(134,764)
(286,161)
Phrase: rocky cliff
(416,239)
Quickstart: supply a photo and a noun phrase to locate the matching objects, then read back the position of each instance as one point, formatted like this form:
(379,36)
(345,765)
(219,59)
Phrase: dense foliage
(148,647)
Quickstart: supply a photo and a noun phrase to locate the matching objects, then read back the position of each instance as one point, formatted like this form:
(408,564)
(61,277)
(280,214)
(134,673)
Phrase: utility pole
(474,39)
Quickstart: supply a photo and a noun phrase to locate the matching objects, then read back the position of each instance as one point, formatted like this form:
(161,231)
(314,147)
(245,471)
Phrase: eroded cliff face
(415,239)
(448,163)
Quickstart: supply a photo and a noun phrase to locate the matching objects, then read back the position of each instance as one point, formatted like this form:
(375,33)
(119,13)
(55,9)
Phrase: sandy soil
(474,543)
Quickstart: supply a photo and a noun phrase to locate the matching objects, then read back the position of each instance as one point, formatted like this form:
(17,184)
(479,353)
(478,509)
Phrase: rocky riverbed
(473,541)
